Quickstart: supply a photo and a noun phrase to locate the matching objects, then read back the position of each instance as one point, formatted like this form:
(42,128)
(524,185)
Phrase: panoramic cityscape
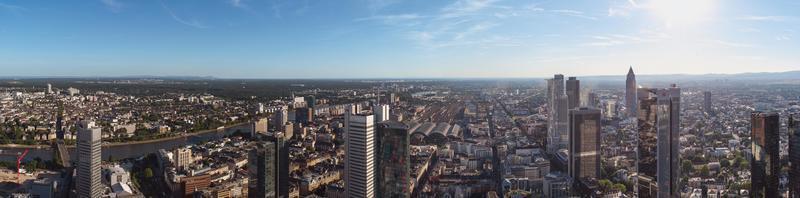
(392,98)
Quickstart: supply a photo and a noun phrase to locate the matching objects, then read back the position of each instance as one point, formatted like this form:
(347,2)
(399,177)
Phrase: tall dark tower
(573,93)
(394,159)
(707,102)
(658,149)
(268,166)
(765,166)
(584,143)
(794,156)
(630,93)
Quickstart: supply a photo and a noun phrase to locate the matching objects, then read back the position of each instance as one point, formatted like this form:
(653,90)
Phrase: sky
(396,39)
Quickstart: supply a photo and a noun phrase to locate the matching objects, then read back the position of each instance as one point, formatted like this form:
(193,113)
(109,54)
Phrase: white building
(360,155)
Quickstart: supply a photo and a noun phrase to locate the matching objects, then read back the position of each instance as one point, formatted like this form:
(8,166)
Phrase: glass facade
(394,159)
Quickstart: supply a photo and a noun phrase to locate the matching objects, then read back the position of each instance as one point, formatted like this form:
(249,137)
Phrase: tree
(686,166)
(704,171)
(620,187)
(725,163)
(604,184)
(148,173)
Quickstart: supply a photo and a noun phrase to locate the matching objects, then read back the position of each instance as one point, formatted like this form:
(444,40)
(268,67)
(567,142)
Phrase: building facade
(630,93)
(394,170)
(359,155)
(268,168)
(89,158)
(765,163)
(584,146)
(658,156)
(573,93)
(794,155)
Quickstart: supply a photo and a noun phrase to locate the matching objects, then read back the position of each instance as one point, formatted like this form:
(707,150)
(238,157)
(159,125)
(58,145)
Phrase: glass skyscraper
(765,166)
(658,120)
(394,158)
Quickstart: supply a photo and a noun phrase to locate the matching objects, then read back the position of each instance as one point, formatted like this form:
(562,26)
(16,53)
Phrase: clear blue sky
(392,38)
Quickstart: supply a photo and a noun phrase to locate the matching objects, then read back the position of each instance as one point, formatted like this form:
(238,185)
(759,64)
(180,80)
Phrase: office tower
(359,155)
(268,168)
(573,92)
(558,129)
(630,93)
(281,116)
(658,146)
(89,152)
(311,101)
(49,88)
(707,102)
(60,122)
(381,112)
(394,160)
(183,158)
(304,115)
(260,126)
(591,100)
(765,164)
(584,143)
(794,155)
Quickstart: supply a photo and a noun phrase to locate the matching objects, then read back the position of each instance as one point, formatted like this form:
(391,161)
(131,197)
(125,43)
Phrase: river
(128,150)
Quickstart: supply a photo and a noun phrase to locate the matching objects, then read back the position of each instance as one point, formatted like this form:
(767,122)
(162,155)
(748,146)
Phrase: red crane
(19,161)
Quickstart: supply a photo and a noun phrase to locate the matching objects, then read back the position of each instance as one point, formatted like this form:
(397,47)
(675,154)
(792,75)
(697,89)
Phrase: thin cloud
(730,44)
(465,7)
(773,18)
(11,8)
(113,5)
(192,23)
(237,3)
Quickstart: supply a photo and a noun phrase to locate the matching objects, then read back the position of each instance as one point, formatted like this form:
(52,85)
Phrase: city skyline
(394,39)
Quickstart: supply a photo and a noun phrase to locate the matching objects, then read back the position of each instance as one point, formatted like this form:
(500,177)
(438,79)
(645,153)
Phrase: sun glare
(682,12)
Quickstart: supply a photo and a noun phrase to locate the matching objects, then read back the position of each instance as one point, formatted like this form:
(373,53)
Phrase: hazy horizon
(396,39)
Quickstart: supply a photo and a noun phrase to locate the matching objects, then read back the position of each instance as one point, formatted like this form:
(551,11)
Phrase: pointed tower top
(630,70)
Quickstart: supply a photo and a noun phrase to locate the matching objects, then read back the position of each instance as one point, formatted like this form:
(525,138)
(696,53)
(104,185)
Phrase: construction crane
(19,161)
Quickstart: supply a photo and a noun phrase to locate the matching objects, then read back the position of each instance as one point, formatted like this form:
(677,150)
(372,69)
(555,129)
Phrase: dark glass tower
(794,156)
(765,166)
(584,143)
(573,92)
(268,167)
(394,159)
(707,102)
(658,147)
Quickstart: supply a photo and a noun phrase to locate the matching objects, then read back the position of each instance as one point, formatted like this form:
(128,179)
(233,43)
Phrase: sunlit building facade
(658,121)
(765,163)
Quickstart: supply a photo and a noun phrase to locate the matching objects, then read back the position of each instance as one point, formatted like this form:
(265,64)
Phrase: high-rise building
(707,102)
(304,115)
(268,168)
(591,100)
(89,153)
(359,155)
(394,160)
(260,126)
(558,104)
(658,145)
(584,144)
(49,88)
(183,158)
(765,163)
(630,93)
(573,92)
(281,116)
(381,112)
(794,155)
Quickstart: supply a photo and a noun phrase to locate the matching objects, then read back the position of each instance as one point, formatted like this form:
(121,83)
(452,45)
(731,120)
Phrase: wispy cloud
(773,18)
(113,5)
(11,8)
(377,5)
(465,7)
(237,3)
(574,13)
(391,19)
(193,23)
(730,44)
(644,36)
(782,38)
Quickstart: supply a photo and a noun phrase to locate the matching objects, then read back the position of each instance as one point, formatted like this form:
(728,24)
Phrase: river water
(129,150)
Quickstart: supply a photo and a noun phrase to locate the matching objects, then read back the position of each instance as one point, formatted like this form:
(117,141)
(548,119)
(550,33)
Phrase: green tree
(686,166)
(725,163)
(148,173)
(619,187)
(704,171)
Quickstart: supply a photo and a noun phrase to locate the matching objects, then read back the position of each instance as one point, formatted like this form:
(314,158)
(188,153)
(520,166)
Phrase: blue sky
(393,38)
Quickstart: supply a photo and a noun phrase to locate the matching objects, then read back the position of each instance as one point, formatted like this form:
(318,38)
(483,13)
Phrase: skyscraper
(630,93)
(658,147)
(381,112)
(584,143)
(89,153)
(573,92)
(591,100)
(359,155)
(765,164)
(794,155)
(268,168)
(707,102)
(394,159)
(558,129)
